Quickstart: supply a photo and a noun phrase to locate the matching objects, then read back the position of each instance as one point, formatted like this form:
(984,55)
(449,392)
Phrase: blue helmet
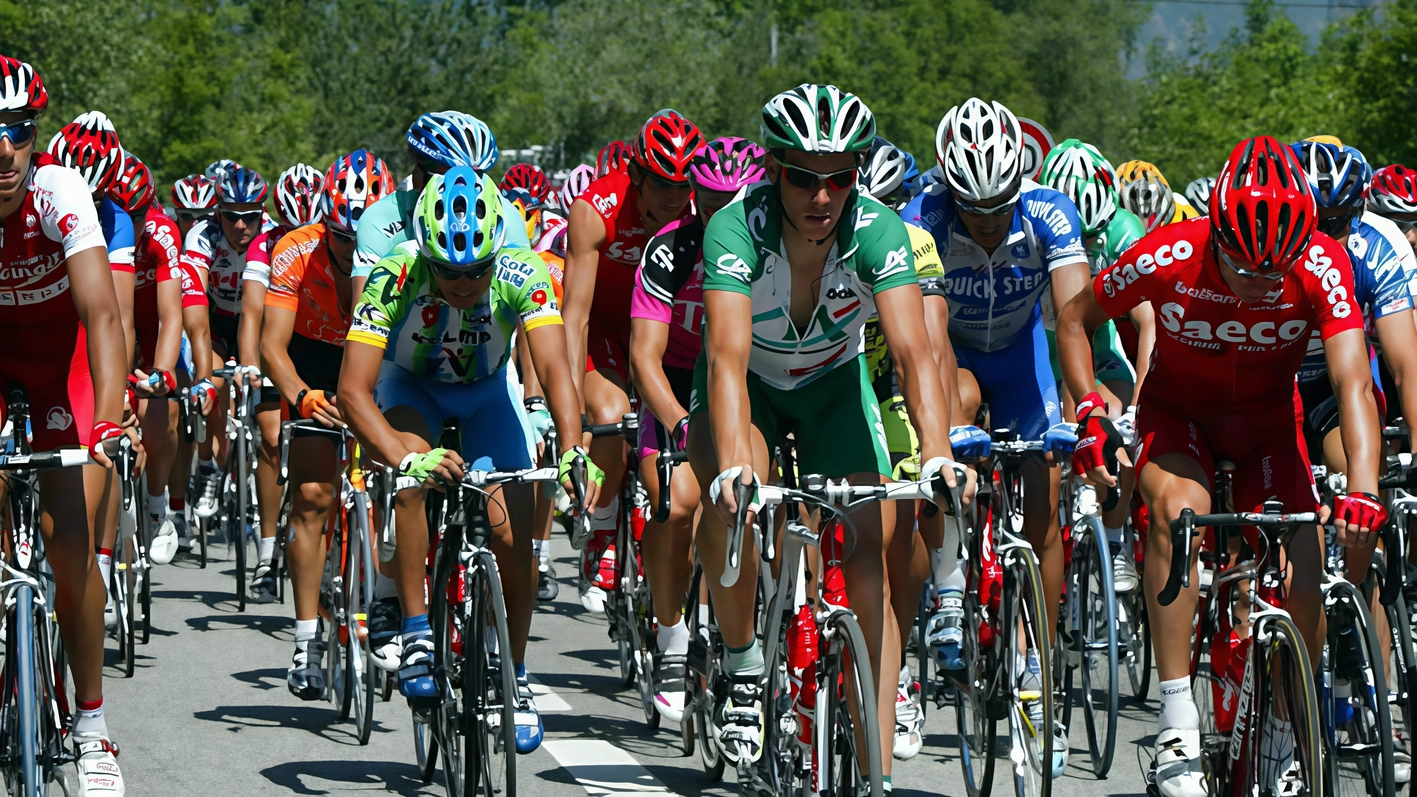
(1338,175)
(452,138)
(912,183)
(241,186)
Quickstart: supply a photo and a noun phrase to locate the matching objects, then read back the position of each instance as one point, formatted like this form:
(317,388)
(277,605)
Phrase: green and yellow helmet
(458,221)
(1081,173)
(821,119)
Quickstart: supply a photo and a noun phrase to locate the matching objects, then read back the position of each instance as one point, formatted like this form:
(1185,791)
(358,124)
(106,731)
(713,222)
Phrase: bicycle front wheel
(489,686)
(1025,622)
(1357,727)
(358,586)
(1095,636)
(847,729)
(1283,743)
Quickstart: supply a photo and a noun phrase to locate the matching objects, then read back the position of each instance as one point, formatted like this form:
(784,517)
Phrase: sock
(674,639)
(417,624)
(604,516)
(743,661)
(1178,707)
(1114,535)
(520,669)
(305,631)
(905,678)
(157,506)
(265,550)
(944,564)
(105,564)
(89,721)
(385,587)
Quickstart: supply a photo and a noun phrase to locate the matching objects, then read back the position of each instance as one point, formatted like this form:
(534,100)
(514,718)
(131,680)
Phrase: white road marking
(603,769)
(546,700)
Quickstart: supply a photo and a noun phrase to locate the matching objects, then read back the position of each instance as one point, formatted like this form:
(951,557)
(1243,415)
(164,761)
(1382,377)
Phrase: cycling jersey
(193,294)
(119,233)
(928,270)
(157,260)
(1398,241)
(208,250)
(744,253)
(400,312)
(1125,229)
(303,281)
(669,288)
(258,255)
(994,298)
(389,222)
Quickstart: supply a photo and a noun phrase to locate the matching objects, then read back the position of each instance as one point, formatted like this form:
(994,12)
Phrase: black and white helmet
(884,172)
(1198,194)
(980,149)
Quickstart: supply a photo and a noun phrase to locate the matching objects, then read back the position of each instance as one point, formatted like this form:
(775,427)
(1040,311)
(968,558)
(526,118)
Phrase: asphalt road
(207,712)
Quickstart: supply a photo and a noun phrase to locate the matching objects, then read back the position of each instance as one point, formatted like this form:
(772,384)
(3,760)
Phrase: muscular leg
(410,523)
(312,478)
(607,402)
(160,440)
(907,566)
(72,501)
(1306,557)
(869,591)
(1170,483)
(268,490)
(668,546)
(509,510)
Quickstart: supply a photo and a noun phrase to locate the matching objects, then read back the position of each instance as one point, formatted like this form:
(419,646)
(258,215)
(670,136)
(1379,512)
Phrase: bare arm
(1347,356)
(1399,337)
(586,234)
(1076,323)
(123,288)
(169,334)
(553,369)
(199,338)
(729,344)
(249,328)
(937,327)
(526,367)
(91,282)
(902,314)
(648,340)
(1145,320)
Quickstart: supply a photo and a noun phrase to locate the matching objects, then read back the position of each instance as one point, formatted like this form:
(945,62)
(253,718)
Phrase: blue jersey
(1380,285)
(117,231)
(994,299)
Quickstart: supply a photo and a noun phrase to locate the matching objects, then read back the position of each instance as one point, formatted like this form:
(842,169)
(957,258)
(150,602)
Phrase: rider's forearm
(199,339)
(920,387)
(1075,352)
(276,365)
(169,334)
(357,407)
(526,368)
(730,413)
(937,324)
(648,340)
(576,324)
(1145,321)
(1361,434)
(107,363)
(554,371)
(248,331)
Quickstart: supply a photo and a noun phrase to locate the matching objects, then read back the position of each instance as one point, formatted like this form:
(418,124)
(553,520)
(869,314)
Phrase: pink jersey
(669,288)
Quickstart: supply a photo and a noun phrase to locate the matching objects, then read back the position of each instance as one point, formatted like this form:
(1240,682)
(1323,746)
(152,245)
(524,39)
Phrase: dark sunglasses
(447,271)
(187,214)
(1244,273)
(20,133)
(1338,227)
(669,185)
(808,179)
(974,210)
(341,235)
(250,217)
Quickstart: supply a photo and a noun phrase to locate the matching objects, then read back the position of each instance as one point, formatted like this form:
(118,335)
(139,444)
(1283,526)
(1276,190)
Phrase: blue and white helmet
(453,138)
(1338,175)
(241,186)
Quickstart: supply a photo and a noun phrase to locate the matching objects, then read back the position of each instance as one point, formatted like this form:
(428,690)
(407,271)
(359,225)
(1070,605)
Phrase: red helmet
(666,146)
(194,193)
(613,157)
(90,145)
(353,183)
(133,190)
(1262,211)
(20,87)
(1393,190)
(529,178)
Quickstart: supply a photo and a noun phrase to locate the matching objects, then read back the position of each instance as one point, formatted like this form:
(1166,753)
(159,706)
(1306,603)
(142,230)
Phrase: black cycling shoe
(264,586)
(546,587)
(306,677)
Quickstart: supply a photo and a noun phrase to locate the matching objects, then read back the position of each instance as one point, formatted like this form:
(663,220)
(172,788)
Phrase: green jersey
(1125,229)
(744,253)
(389,222)
(402,313)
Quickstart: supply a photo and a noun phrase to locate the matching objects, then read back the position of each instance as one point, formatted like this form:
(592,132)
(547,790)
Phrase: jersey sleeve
(666,266)
(1328,284)
(162,237)
(1389,290)
(258,259)
(373,239)
(287,272)
(728,250)
(1055,219)
(197,249)
(387,297)
(884,252)
(1142,272)
(193,294)
(524,283)
(118,232)
(66,211)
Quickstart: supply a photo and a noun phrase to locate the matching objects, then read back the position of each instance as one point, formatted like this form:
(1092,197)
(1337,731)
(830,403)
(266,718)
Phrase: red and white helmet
(90,145)
(20,87)
(195,194)
(298,192)
(1393,190)
(666,146)
(353,183)
(133,190)
(528,177)
(613,157)
(1262,211)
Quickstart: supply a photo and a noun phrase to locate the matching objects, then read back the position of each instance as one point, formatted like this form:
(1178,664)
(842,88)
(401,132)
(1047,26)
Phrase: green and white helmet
(1080,172)
(458,221)
(822,119)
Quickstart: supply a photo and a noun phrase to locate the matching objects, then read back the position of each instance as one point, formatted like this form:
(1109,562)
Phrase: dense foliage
(269,82)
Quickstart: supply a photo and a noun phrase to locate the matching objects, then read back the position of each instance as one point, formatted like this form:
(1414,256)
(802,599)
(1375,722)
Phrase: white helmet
(1151,199)
(576,183)
(1198,194)
(980,149)
(884,171)
(298,191)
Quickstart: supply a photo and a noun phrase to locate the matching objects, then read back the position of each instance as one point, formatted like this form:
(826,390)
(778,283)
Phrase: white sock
(1114,535)
(1178,707)
(91,722)
(542,549)
(105,566)
(305,631)
(157,506)
(265,550)
(673,639)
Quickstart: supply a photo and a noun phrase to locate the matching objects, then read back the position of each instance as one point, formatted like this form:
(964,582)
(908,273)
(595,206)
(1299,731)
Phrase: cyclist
(792,271)
(613,157)
(530,178)
(307,316)
(883,176)
(1237,297)
(1393,196)
(216,248)
(471,280)
(610,226)
(151,293)
(1148,203)
(63,341)
(1082,173)
(193,200)
(1005,241)
(666,313)
(298,196)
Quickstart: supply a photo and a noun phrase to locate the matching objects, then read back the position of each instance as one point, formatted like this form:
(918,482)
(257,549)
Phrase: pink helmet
(727,164)
(576,183)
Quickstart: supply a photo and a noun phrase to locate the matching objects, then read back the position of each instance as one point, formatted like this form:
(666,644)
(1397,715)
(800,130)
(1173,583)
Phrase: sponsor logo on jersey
(934,217)
(897,261)
(1205,294)
(68,223)
(58,419)
(732,265)
(1119,278)
(1262,336)
(1020,250)
(604,204)
(662,257)
(1051,215)
(843,292)
(1321,266)
(864,219)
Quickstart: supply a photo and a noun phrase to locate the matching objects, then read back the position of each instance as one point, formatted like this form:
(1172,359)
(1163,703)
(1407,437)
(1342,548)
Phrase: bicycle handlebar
(1183,531)
(287,431)
(48,460)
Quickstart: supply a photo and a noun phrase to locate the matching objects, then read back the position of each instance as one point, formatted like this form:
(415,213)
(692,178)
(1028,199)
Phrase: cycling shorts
(56,377)
(495,431)
(317,364)
(901,440)
(834,419)
(1321,409)
(681,381)
(1109,360)
(1266,445)
(224,333)
(607,350)
(1018,384)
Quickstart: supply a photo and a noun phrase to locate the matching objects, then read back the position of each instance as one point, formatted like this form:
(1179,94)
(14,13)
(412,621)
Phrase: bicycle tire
(144,571)
(1023,599)
(124,603)
(234,519)
(443,719)
(924,667)
(1402,674)
(1134,645)
(641,614)
(705,650)
(1097,637)
(1275,665)
(358,591)
(1368,774)
(975,728)
(491,767)
(337,681)
(838,748)
(31,775)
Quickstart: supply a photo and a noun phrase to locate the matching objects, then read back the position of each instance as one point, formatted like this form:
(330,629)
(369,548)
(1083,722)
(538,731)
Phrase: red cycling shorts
(1267,447)
(607,350)
(56,377)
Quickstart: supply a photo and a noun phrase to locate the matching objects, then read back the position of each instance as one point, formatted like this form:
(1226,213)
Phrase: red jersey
(616,200)
(157,258)
(193,294)
(1212,349)
(56,219)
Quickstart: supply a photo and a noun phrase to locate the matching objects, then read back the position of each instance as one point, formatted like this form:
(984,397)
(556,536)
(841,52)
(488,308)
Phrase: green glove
(420,466)
(592,472)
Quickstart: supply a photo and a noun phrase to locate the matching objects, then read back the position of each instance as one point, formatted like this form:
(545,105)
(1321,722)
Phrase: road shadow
(316,718)
(281,629)
(606,685)
(346,776)
(211,598)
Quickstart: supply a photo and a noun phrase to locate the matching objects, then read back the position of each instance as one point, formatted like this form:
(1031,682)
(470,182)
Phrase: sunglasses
(20,133)
(669,185)
(250,217)
(341,235)
(447,271)
(1244,273)
(1337,226)
(187,214)
(808,179)
(974,210)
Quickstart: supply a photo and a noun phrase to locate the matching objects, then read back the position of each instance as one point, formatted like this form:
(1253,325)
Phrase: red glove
(168,379)
(1085,407)
(102,431)
(1360,510)
(133,401)
(1098,441)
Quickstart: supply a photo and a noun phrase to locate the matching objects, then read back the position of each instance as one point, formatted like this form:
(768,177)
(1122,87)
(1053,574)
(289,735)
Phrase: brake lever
(733,557)
(1182,533)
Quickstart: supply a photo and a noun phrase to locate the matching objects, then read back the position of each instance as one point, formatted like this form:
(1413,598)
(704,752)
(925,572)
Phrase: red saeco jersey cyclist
(157,258)
(608,335)
(1221,382)
(42,344)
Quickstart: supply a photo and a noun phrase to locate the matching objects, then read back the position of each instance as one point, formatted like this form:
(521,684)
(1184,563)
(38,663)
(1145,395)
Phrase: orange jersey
(556,265)
(303,281)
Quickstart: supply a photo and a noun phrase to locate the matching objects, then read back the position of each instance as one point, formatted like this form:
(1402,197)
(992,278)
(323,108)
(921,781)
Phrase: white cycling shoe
(164,544)
(909,721)
(99,775)
(1177,772)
